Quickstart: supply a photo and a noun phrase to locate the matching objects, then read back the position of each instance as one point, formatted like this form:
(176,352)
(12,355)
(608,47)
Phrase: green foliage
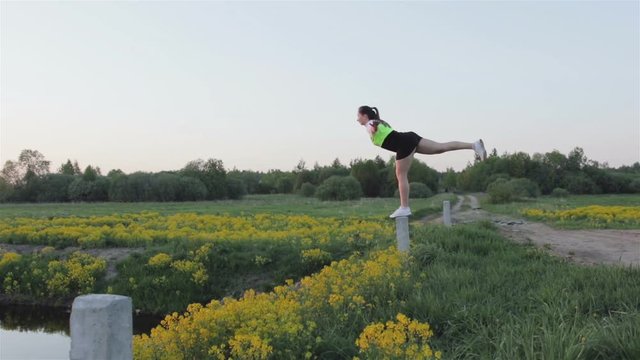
(449,179)
(90,174)
(45,276)
(367,172)
(634,185)
(560,193)
(308,190)
(6,190)
(419,172)
(83,190)
(487,296)
(503,190)
(55,188)
(524,188)
(339,188)
(500,191)
(211,173)
(236,188)
(580,183)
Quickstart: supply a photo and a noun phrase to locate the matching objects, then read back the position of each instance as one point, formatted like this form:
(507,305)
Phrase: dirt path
(608,246)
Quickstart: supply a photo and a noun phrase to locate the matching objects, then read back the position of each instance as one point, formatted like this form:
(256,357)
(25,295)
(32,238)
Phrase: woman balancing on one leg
(405,144)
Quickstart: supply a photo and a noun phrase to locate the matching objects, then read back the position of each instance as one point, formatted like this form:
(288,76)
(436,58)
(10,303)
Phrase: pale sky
(152,85)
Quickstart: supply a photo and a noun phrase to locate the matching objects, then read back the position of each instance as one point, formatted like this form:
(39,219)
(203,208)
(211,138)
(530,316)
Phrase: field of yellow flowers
(188,257)
(597,216)
(286,322)
(151,228)
(43,276)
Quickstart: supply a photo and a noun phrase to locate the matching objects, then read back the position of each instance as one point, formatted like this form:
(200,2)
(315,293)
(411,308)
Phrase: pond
(42,333)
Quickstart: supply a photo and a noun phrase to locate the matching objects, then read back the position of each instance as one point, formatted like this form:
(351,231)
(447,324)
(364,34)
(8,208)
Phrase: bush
(502,190)
(191,189)
(560,193)
(307,190)
(236,189)
(339,188)
(417,190)
(634,186)
(6,190)
(525,188)
(55,188)
(580,183)
(83,190)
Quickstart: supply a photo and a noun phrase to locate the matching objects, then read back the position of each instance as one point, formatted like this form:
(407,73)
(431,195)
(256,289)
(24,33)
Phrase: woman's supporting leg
(402,174)
(426,146)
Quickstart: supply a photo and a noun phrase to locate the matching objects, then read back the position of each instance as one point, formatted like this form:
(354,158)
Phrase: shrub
(634,185)
(560,193)
(307,189)
(581,184)
(236,189)
(339,188)
(525,188)
(502,190)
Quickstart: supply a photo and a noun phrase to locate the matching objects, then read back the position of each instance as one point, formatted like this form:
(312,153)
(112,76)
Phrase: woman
(405,144)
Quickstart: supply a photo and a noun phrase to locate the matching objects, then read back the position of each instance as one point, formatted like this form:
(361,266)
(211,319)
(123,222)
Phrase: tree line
(29,179)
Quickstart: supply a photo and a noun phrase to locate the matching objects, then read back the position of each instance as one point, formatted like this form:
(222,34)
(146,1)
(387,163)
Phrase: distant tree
(90,174)
(33,161)
(211,173)
(55,188)
(6,190)
(367,172)
(449,179)
(67,168)
(11,173)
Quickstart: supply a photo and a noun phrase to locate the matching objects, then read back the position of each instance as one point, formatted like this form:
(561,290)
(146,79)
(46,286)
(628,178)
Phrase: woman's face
(362,118)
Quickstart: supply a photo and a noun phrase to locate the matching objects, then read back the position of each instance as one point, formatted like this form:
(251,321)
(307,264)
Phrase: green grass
(488,298)
(574,201)
(275,204)
(231,264)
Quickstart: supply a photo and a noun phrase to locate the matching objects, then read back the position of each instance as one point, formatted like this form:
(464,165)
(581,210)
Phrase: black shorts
(403,143)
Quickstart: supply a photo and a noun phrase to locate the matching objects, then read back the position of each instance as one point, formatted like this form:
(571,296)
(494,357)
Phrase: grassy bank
(489,298)
(483,297)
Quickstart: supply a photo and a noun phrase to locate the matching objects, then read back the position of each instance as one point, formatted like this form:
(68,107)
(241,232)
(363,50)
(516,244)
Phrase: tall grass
(489,298)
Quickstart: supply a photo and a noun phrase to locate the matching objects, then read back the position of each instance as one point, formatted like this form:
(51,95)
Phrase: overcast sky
(152,85)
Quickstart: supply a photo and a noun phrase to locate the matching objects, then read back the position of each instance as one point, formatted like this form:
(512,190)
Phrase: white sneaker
(478,147)
(401,211)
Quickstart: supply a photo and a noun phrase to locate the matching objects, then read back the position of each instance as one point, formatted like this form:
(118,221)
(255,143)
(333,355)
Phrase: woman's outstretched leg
(426,146)
(430,147)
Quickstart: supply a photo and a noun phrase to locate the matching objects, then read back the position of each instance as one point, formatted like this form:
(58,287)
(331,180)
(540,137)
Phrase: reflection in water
(34,318)
(55,320)
(40,332)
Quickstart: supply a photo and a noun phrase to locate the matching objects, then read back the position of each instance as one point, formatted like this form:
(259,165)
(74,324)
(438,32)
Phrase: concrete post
(101,327)
(446,213)
(402,233)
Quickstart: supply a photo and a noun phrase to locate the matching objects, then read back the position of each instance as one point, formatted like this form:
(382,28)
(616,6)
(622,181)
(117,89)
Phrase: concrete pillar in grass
(101,327)
(446,213)
(402,233)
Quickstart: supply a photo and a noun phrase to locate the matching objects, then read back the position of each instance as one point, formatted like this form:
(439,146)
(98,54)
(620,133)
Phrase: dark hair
(371,112)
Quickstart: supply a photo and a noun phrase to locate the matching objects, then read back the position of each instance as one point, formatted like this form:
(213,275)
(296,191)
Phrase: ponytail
(371,112)
(377,112)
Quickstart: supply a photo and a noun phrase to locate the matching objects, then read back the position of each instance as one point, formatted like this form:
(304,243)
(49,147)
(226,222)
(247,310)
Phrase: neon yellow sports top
(378,130)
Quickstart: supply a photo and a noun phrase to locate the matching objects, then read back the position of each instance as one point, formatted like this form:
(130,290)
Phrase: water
(42,333)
